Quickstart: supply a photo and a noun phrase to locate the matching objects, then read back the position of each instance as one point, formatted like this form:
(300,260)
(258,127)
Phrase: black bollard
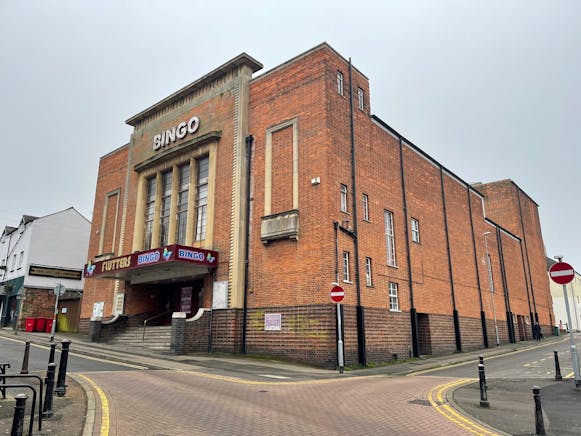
(3,367)
(483,387)
(49,382)
(24,369)
(18,420)
(558,375)
(51,354)
(481,359)
(539,423)
(61,387)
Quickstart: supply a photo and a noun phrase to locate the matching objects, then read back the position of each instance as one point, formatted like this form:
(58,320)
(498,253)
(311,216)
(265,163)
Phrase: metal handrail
(159,315)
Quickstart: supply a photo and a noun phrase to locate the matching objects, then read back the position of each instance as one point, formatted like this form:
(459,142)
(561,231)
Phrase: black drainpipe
(249,141)
(524,237)
(454,310)
(510,323)
(482,314)
(413,313)
(524,271)
(360,312)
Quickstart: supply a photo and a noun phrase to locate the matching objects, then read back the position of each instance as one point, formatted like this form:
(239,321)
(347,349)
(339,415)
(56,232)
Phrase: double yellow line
(437,398)
(104,431)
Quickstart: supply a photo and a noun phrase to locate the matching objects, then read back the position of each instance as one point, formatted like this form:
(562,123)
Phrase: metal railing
(159,315)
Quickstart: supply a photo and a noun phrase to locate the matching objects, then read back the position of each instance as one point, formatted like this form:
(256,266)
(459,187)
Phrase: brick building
(241,199)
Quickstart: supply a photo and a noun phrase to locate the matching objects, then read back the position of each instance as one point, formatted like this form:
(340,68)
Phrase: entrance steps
(157,338)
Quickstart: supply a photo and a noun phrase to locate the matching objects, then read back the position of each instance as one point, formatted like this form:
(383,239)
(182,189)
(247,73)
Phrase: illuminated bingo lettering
(146,258)
(176,132)
(192,255)
(121,262)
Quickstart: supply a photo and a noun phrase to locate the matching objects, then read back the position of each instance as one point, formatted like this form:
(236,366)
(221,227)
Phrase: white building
(35,257)
(574,299)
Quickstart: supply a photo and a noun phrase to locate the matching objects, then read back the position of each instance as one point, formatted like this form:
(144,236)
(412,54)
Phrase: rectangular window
(21,259)
(13,262)
(346,276)
(166,180)
(344,198)
(360,99)
(339,82)
(389,238)
(202,198)
(415,230)
(149,211)
(365,207)
(393,298)
(182,203)
(368,274)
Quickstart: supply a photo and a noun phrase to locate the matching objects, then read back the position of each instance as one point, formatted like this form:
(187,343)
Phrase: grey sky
(491,89)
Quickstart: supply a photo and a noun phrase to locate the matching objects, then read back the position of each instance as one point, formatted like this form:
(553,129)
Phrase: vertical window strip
(389,238)
(165,207)
(365,207)
(344,198)
(360,99)
(415,230)
(182,208)
(368,272)
(149,211)
(346,276)
(339,82)
(393,297)
(202,198)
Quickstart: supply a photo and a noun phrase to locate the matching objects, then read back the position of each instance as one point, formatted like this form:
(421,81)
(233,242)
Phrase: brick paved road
(189,403)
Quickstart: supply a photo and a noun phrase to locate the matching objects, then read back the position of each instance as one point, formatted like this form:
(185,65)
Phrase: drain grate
(420,402)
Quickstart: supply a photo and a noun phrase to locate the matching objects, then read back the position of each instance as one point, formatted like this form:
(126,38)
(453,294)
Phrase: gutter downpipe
(482,314)
(509,319)
(524,272)
(361,351)
(454,310)
(413,313)
(249,142)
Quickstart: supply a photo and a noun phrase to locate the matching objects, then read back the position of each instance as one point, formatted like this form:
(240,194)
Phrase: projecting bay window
(182,204)
(202,198)
(166,180)
(149,212)
(389,238)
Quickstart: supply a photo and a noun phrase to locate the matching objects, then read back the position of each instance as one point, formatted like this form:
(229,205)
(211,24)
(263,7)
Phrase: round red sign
(562,273)
(337,294)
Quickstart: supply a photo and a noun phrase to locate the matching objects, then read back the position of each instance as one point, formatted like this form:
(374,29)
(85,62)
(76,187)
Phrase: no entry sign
(337,294)
(562,273)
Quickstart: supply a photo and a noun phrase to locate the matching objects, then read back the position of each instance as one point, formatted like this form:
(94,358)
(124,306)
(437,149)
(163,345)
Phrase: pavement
(511,401)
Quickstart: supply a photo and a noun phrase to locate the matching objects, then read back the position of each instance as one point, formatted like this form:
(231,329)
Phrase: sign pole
(339,340)
(57,291)
(574,355)
(564,273)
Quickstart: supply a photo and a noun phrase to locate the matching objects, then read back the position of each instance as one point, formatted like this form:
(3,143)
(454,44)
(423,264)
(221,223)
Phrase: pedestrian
(537,331)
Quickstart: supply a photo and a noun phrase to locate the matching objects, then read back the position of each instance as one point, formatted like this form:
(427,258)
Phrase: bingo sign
(337,294)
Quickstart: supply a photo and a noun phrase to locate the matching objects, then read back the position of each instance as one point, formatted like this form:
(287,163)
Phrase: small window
(344,199)
(415,230)
(21,259)
(360,99)
(13,262)
(339,82)
(365,207)
(346,277)
(368,273)
(393,298)
(389,237)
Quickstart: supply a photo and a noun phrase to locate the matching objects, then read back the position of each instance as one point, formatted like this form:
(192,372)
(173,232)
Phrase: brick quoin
(301,156)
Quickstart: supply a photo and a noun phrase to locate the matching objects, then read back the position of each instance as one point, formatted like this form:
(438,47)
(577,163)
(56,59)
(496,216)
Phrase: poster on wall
(272,321)
(186,300)
(220,295)
(98,310)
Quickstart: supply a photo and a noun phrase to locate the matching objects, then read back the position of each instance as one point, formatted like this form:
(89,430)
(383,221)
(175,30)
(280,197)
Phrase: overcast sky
(491,89)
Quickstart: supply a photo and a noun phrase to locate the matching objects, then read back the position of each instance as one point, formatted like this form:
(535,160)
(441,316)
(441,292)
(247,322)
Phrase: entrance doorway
(176,297)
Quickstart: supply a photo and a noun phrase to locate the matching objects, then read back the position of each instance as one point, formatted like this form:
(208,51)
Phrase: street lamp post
(489,266)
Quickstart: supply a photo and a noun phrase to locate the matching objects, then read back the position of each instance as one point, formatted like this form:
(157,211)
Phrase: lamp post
(489,266)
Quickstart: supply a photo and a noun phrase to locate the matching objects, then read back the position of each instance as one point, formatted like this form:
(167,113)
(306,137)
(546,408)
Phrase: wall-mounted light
(315,181)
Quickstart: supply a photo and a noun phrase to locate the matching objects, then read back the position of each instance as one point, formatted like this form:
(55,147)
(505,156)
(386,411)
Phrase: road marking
(96,359)
(437,398)
(281,377)
(260,382)
(104,405)
(570,375)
